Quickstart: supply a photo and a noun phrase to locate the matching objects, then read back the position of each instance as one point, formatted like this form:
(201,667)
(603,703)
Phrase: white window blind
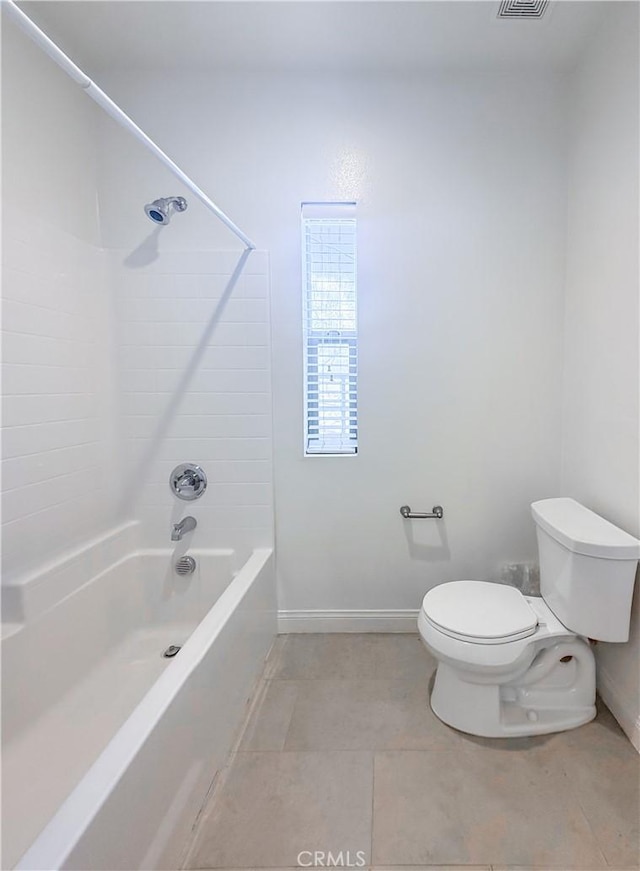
(330,328)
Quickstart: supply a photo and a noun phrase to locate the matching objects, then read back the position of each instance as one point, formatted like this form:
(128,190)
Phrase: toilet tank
(587,568)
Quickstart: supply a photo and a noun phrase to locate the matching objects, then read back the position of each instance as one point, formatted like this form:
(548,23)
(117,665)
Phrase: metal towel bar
(408,514)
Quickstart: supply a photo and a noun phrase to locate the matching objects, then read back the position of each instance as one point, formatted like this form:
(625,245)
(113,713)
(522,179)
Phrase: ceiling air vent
(522,8)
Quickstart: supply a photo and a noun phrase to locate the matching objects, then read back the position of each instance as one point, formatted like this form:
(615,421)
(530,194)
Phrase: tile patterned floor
(341,752)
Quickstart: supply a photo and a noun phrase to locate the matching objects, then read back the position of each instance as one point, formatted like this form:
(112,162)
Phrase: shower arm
(98,95)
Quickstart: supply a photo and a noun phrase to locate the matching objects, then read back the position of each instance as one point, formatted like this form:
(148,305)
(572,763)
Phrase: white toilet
(513,665)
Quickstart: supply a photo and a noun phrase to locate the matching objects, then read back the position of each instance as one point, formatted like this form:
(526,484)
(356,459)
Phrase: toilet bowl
(536,677)
(512,665)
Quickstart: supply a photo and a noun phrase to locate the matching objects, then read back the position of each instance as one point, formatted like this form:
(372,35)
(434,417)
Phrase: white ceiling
(298,35)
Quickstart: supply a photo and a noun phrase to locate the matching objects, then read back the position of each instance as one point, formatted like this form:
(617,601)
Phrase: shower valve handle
(188,481)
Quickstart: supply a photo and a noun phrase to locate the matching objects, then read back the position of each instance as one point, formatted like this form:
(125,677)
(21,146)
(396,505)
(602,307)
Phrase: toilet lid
(480,611)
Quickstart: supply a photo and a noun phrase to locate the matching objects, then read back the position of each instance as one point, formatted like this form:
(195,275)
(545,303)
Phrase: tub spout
(185,525)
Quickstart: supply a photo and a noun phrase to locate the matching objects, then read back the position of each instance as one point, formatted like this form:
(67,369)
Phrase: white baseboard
(619,707)
(399,620)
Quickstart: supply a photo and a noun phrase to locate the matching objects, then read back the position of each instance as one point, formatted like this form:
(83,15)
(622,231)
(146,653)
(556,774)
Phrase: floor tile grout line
(474,867)
(575,794)
(409,867)
(373,802)
(258,691)
(589,825)
(289,724)
(326,750)
(255,702)
(270,668)
(354,677)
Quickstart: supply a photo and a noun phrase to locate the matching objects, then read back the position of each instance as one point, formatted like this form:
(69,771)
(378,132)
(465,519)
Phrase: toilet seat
(479,612)
(495,659)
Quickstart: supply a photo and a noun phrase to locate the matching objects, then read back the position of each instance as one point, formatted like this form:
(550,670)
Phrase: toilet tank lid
(582,531)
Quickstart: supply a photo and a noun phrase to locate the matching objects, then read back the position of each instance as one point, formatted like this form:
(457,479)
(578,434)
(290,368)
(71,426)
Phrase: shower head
(160,211)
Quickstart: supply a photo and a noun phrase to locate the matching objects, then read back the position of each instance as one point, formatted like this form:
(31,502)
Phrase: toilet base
(551,696)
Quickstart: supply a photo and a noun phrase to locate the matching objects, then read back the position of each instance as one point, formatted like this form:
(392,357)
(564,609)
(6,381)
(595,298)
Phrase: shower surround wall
(181,402)
(105,390)
(60,461)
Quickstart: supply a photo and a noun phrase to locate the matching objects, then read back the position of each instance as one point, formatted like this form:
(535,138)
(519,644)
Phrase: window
(330,328)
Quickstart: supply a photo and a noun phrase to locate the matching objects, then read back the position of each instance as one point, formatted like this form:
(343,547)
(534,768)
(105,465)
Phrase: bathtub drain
(171,651)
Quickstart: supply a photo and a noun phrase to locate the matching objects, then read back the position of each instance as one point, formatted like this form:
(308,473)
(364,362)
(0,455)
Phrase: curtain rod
(98,95)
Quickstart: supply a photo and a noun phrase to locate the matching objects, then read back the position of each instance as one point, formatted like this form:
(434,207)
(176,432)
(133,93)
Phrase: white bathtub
(109,748)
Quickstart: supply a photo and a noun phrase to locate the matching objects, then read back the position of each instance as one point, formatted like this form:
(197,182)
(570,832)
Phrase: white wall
(462,193)
(602,367)
(58,378)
